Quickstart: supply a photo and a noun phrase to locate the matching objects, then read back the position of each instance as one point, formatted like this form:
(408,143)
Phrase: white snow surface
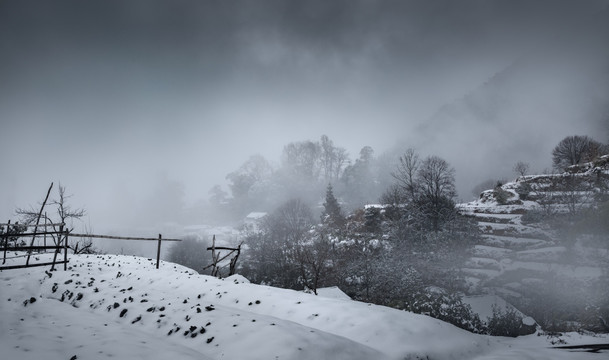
(121,307)
(483,305)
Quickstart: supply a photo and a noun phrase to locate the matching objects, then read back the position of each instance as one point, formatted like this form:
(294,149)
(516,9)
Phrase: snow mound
(122,307)
(237,279)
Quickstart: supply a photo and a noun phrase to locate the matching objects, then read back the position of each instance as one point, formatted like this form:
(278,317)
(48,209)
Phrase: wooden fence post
(29,253)
(65,247)
(158,252)
(8,226)
(45,229)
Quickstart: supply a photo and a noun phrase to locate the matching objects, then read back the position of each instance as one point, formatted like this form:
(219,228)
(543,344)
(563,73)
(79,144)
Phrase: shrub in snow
(523,190)
(501,196)
(447,307)
(508,322)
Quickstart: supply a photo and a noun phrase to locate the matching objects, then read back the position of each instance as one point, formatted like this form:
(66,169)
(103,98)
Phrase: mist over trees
(405,252)
(304,170)
(407,247)
(307,167)
(192,253)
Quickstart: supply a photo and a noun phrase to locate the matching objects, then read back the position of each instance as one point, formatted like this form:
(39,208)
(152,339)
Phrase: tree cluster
(394,254)
(424,190)
(305,169)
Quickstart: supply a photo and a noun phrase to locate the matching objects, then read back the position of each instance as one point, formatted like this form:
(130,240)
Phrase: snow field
(111,306)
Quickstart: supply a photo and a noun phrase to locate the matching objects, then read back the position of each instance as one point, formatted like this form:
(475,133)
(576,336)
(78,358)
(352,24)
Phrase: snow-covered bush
(501,195)
(507,322)
(447,307)
(523,190)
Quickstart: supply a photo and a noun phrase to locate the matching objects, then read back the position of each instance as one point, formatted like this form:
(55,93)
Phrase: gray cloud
(114,93)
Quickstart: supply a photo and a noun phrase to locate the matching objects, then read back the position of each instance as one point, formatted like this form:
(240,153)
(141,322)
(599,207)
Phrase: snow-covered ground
(121,307)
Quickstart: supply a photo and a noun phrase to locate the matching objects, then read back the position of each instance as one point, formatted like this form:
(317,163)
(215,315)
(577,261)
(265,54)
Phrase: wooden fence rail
(158,251)
(61,233)
(216,259)
(58,247)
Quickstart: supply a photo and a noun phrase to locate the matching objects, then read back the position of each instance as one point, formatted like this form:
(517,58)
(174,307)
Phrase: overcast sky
(116,98)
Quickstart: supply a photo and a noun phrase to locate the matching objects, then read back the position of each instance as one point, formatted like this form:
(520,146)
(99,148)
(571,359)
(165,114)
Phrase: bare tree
(312,258)
(427,187)
(406,173)
(65,214)
(521,168)
(302,159)
(84,245)
(436,179)
(573,150)
(272,249)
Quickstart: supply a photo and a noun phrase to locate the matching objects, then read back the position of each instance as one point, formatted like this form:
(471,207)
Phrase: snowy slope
(510,249)
(122,307)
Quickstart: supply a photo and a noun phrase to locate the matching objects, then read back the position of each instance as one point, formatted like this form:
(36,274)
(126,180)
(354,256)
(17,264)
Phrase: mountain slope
(561,88)
(517,248)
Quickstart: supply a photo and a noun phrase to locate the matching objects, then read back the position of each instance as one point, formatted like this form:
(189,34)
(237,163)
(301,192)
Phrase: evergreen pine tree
(332,214)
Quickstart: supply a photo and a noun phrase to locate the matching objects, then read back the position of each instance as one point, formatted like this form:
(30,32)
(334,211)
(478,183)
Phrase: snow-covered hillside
(112,306)
(514,252)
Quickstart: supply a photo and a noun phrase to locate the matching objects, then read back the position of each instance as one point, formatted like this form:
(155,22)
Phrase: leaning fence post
(158,252)
(45,230)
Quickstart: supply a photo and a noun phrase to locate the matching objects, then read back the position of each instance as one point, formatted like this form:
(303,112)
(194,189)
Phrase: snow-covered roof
(255,215)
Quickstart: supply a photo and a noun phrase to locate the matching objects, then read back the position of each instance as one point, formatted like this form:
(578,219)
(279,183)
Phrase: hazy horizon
(120,101)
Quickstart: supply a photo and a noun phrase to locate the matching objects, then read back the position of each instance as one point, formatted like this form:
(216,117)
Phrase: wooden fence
(216,259)
(60,238)
(159,240)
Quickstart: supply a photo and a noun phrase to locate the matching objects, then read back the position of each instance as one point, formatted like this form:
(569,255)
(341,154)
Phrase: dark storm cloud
(122,92)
